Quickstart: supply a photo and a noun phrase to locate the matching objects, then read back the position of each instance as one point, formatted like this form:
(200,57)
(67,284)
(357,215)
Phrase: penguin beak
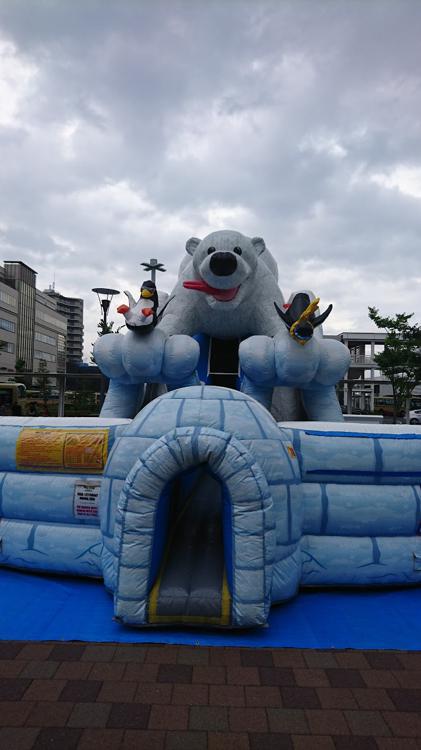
(146,294)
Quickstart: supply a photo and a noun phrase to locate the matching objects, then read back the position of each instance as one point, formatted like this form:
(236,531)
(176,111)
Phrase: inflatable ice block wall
(50,474)
(209,511)
(362,503)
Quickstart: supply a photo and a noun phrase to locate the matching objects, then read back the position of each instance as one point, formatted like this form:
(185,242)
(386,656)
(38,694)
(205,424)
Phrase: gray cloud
(127,127)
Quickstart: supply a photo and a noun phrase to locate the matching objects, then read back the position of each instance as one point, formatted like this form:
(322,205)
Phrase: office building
(22,278)
(9,302)
(364,387)
(30,324)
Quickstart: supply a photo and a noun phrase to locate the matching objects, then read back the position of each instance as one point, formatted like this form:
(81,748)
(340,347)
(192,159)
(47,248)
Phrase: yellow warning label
(72,451)
(291,451)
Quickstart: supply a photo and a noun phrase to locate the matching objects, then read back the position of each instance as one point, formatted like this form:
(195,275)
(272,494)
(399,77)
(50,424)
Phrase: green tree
(42,383)
(20,369)
(102,329)
(400,360)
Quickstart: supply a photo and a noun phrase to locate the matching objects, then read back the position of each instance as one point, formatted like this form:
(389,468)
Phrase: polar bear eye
(238,250)
(211,250)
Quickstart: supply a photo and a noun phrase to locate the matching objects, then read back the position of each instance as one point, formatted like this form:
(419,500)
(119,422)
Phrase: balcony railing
(363,360)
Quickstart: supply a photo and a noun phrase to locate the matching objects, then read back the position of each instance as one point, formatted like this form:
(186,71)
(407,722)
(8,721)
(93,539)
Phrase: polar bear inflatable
(227,288)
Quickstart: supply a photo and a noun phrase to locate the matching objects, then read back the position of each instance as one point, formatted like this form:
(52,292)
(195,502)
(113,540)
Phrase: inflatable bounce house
(196,506)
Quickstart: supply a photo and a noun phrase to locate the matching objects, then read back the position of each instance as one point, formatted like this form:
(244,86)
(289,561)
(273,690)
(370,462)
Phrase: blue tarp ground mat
(42,608)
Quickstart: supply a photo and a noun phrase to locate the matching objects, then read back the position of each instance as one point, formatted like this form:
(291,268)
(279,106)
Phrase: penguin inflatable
(299,316)
(141,316)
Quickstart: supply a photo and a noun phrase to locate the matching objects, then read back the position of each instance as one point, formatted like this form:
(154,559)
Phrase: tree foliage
(20,369)
(103,328)
(400,360)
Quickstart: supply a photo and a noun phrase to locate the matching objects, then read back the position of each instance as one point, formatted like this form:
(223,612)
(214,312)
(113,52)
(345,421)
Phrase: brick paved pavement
(84,696)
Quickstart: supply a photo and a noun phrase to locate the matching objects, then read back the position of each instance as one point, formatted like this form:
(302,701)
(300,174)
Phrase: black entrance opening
(190,585)
(223,367)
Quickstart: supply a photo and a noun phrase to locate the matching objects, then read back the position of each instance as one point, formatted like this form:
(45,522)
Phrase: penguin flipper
(321,318)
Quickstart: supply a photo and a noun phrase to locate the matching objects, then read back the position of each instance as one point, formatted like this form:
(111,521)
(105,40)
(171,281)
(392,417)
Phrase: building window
(44,339)
(7,347)
(61,343)
(52,321)
(7,325)
(44,355)
(7,299)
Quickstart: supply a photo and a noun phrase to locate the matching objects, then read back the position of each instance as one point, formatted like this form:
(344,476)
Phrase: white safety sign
(86,499)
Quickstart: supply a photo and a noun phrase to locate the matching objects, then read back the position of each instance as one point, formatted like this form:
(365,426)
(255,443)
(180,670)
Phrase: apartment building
(50,330)
(72,309)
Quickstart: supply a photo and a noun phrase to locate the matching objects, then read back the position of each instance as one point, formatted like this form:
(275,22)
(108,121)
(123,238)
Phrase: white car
(415,416)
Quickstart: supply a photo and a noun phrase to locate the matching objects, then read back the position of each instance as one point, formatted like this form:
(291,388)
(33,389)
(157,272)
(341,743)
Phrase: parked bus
(384,405)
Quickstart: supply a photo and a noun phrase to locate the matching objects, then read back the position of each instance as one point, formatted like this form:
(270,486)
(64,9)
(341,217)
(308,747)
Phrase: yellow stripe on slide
(226,602)
(156,619)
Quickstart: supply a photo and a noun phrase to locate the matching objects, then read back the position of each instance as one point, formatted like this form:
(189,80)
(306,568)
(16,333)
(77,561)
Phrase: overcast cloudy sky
(126,127)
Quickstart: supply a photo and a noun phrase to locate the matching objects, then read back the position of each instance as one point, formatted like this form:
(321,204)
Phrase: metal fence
(64,389)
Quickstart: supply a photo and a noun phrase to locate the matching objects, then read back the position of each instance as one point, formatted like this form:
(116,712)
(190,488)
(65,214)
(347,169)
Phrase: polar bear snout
(223,264)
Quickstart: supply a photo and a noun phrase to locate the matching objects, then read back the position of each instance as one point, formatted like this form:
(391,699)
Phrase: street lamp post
(105,296)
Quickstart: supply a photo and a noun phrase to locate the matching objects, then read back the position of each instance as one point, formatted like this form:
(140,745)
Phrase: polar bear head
(223,263)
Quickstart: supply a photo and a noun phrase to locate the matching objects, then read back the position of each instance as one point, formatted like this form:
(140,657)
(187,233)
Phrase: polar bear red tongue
(222,295)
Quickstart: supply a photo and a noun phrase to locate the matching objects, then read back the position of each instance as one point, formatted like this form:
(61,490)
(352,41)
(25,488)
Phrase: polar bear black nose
(223,264)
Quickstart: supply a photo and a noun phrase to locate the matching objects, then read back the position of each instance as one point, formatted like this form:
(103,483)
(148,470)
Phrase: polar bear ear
(192,244)
(259,245)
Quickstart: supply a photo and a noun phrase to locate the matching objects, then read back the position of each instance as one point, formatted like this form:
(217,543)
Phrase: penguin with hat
(300,318)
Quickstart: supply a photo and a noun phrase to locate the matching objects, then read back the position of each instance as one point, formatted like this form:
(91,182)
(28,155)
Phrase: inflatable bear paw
(314,368)
(279,360)
(154,358)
